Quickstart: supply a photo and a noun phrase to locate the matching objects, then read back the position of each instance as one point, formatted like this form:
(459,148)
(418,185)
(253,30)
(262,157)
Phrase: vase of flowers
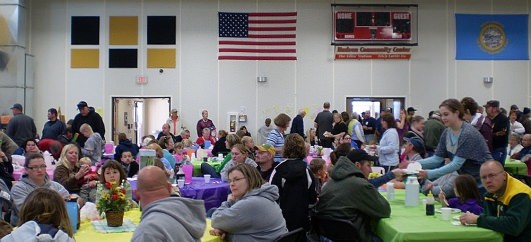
(112,200)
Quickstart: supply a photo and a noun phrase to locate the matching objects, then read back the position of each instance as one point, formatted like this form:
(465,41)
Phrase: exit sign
(141,79)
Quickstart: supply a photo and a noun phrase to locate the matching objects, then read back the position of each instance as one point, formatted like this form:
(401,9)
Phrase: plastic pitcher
(147,157)
(207,144)
(109,148)
(188,170)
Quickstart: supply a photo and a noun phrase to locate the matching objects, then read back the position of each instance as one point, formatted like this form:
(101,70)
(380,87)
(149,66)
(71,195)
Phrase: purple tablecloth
(213,193)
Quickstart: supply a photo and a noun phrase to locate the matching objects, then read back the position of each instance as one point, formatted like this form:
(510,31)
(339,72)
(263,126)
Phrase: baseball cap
(492,103)
(267,148)
(411,109)
(416,142)
(174,110)
(360,155)
(81,104)
(17,106)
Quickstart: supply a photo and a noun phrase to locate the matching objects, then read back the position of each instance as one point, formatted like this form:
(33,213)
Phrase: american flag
(257,36)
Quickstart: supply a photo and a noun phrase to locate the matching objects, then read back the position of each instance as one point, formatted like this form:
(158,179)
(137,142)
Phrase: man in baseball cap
(21,127)
(411,111)
(90,117)
(348,194)
(500,130)
(264,158)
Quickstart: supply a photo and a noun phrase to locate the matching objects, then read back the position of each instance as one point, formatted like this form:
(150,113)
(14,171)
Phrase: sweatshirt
(33,232)
(348,195)
(171,219)
(238,217)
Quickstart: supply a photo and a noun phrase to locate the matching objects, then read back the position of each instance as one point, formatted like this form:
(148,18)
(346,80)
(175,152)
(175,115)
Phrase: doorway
(375,105)
(139,116)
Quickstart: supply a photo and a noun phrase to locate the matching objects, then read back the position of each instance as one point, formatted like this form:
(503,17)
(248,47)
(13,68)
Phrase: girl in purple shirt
(467,195)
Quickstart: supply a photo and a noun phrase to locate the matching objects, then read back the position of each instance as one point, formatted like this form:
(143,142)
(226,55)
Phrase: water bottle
(430,207)
(390,191)
(412,191)
(73,213)
(188,170)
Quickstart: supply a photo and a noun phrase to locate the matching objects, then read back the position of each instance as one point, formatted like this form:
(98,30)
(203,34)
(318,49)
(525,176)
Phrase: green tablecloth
(412,224)
(197,166)
(515,167)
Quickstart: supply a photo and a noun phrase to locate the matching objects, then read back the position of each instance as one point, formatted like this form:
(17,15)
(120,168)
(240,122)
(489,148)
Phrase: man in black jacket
(88,116)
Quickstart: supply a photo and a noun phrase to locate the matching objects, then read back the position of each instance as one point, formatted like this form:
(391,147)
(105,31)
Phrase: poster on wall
(374,24)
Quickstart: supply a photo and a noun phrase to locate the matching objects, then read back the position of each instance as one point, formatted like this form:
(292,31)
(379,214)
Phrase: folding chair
(338,230)
(291,236)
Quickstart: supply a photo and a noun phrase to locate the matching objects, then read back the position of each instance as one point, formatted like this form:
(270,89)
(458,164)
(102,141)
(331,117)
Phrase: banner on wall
(492,37)
(372,52)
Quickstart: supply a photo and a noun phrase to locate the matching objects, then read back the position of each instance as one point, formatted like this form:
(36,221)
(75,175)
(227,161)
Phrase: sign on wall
(372,52)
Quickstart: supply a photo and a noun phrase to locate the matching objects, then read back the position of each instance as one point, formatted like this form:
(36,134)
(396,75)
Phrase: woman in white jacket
(43,217)
(251,212)
(389,144)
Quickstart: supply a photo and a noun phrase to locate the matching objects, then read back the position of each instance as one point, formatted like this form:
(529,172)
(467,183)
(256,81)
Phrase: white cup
(207,178)
(180,183)
(220,156)
(446,213)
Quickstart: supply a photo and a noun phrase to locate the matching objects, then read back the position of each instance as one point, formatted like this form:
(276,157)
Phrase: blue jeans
(500,154)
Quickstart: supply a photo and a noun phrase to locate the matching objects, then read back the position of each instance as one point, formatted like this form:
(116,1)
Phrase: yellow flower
(105,196)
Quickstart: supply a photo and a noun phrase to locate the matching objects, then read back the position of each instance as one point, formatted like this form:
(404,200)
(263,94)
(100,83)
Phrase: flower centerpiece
(113,201)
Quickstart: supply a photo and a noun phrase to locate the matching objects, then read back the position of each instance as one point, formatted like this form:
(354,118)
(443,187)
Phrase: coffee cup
(180,183)
(207,178)
(446,213)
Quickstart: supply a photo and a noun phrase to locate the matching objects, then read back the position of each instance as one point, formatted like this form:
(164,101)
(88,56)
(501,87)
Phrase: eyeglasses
(235,180)
(37,168)
(491,176)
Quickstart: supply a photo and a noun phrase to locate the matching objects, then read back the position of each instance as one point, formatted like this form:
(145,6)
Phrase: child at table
(320,171)
(89,182)
(112,171)
(130,166)
(467,195)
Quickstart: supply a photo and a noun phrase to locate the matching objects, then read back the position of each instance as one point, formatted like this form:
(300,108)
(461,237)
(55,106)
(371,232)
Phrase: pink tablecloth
(17,174)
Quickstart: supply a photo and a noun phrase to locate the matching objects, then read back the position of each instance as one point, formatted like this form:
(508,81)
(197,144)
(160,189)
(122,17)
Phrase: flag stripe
(257,36)
(257,50)
(272,21)
(257,58)
(254,43)
(272,29)
(273,36)
(283,14)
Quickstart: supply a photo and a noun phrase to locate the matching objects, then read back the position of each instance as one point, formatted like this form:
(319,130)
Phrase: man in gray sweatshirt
(166,218)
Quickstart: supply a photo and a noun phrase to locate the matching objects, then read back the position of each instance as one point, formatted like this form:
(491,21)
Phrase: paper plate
(454,210)
(414,167)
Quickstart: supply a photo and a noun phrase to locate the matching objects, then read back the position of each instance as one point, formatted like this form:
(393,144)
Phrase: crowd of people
(461,150)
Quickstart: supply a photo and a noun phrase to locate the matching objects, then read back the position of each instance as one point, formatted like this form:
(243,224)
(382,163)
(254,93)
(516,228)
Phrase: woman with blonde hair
(232,139)
(249,143)
(43,217)
(68,172)
(311,137)
(250,195)
(240,155)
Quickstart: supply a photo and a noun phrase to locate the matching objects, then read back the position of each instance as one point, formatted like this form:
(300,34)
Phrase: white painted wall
(201,82)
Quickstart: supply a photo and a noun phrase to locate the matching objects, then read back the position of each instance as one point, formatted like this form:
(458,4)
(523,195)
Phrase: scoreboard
(374,25)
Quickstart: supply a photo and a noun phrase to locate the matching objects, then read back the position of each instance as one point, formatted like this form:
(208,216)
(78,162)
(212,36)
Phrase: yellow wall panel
(85,58)
(123,30)
(161,58)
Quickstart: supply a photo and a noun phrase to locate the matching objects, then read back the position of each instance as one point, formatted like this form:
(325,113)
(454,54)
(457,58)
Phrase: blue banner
(491,37)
